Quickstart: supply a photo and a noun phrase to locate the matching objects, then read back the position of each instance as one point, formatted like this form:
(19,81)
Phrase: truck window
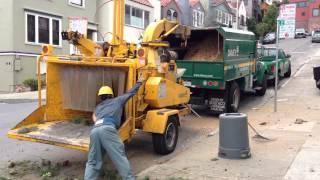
(269,52)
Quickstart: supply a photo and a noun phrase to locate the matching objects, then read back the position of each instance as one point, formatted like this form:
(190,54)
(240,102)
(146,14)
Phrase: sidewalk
(293,154)
(22,97)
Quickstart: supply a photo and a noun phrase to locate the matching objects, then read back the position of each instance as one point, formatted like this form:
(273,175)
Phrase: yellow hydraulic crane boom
(116,48)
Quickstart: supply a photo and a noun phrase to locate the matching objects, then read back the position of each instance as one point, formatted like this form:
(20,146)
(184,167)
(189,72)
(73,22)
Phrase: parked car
(315,36)
(316,75)
(300,33)
(269,38)
(308,33)
(267,55)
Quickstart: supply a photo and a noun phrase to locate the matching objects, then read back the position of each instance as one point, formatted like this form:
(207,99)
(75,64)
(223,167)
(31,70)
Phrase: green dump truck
(219,64)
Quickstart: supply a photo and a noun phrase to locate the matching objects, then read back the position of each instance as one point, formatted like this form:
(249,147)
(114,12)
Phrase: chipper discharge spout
(72,83)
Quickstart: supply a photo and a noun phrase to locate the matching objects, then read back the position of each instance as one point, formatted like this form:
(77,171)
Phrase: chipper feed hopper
(72,82)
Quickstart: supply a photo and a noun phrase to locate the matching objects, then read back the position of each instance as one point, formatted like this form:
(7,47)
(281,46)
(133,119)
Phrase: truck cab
(267,56)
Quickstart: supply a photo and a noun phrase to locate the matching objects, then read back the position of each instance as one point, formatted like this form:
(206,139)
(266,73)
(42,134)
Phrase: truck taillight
(273,68)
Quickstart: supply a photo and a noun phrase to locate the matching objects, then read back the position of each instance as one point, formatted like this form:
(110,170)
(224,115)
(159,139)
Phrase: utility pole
(279,22)
(237,15)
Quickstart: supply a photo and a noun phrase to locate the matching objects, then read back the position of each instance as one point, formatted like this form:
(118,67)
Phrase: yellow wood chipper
(72,83)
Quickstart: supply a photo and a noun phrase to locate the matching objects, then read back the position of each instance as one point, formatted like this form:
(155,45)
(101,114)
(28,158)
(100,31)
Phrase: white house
(138,15)
(242,16)
(240,11)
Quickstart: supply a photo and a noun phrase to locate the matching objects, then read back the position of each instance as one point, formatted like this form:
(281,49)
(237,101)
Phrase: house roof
(193,2)
(144,2)
(219,2)
(165,3)
(234,5)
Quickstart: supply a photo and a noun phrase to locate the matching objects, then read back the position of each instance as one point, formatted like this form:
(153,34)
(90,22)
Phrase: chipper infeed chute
(71,97)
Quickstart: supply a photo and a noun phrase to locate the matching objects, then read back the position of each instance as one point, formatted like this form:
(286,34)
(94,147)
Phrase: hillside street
(293,152)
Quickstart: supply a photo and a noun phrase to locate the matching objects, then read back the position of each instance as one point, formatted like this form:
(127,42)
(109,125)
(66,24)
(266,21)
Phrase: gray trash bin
(233,136)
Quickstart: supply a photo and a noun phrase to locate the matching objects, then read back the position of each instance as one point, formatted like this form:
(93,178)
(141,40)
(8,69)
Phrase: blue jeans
(104,139)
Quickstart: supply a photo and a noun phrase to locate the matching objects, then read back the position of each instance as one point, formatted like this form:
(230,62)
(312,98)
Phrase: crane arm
(86,46)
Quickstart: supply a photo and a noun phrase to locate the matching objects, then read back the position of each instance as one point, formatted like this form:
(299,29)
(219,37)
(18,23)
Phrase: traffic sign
(281,22)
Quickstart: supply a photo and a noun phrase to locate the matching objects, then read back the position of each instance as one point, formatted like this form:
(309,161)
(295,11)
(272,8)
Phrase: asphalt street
(140,149)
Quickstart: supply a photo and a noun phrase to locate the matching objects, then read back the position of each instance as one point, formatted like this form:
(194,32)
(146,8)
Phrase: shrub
(32,83)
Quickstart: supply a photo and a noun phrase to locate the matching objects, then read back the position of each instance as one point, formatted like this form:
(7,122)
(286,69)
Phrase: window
(172,15)
(303,14)
(31,25)
(43,29)
(302,4)
(136,17)
(175,16)
(315,12)
(224,18)
(242,20)
(79,3)
(146,19)
(55,32)
(169,14)
(219,16)
(198,18)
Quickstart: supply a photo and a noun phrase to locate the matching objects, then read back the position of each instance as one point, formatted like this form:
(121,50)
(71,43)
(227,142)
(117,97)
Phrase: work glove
(141,79)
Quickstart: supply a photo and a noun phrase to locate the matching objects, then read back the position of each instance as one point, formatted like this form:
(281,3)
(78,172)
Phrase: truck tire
(264,86)
(288,73)
(166,143)
(233,100)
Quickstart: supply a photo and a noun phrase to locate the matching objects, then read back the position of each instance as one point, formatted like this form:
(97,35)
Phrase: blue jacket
(109,111)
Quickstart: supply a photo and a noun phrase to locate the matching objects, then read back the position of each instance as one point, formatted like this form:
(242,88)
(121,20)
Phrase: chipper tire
(264,86)
(166,143)
(233,100)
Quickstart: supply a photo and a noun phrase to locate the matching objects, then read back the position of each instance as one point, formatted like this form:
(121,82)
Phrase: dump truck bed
(228,54)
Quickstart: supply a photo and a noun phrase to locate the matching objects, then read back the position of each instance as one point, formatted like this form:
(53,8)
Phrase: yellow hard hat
(105,90)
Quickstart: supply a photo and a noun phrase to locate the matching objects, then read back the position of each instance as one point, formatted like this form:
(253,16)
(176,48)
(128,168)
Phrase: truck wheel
(233,98)
(288,73)
(166,143)
(264,86)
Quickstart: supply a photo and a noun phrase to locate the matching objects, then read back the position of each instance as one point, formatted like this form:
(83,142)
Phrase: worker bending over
(104,136)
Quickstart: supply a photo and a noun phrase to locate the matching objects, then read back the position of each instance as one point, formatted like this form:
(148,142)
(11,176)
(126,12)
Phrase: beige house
(30,23)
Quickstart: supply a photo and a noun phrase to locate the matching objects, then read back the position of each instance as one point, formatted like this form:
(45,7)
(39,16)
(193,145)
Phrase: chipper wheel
(166,143)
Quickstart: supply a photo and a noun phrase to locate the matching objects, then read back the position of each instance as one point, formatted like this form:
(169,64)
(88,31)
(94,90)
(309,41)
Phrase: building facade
(240,10)
(218,13)
(27,25)
(138,15)
(197,14)
(171,11)
(307,14)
